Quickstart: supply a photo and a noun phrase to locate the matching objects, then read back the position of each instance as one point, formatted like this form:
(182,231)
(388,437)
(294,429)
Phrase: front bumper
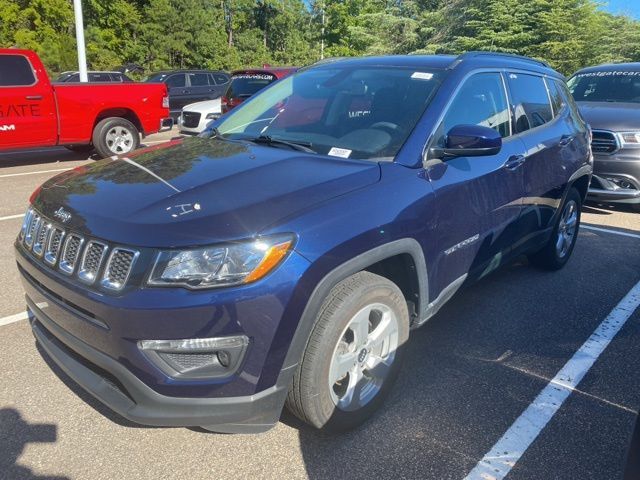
(623,165)
(120,390)
(94,338)
(166,124)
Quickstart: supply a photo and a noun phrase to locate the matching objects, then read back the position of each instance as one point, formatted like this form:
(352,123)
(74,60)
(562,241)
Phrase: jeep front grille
(604,141)
(71,253)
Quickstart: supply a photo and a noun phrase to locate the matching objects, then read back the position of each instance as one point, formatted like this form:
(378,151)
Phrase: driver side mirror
(468,141)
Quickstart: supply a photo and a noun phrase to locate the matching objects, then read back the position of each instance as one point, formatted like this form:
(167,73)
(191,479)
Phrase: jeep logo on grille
(62,215)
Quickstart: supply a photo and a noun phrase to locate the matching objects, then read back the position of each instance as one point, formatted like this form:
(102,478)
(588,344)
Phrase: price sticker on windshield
(339,152)
(422,75)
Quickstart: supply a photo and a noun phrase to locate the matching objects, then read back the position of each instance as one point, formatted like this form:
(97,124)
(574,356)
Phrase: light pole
(82,56)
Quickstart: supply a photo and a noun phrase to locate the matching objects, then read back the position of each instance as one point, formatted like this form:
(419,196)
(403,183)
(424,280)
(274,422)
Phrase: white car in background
(195,117)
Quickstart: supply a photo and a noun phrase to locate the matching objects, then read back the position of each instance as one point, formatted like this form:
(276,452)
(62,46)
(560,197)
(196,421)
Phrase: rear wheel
(353,355)
(555,254)
(115,136)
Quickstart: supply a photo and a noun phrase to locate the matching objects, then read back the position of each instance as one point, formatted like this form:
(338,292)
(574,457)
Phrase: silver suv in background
(608,97)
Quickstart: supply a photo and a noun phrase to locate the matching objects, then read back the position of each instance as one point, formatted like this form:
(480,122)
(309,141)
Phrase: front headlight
(631,138)
(213,116)
(220,266)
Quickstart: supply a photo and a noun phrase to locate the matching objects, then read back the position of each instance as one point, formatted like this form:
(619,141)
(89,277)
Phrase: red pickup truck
(108,117)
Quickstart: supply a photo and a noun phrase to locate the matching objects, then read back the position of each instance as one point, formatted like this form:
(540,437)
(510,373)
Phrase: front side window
(15,71)
(606,86)
(530,100)
(176,81)
(480,101)
(364,112)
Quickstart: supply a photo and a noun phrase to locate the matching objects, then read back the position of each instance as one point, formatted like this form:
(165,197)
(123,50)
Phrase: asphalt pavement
(470,374)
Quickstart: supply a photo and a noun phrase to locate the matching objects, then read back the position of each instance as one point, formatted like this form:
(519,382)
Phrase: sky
(626,7)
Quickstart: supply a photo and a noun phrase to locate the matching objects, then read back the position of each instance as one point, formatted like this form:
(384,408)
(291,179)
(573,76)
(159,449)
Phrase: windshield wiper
(268,140)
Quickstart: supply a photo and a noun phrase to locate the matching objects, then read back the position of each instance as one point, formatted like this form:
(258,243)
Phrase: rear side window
(199,79)
(530,101)
(175,81)
(219,79)
(100,77)
(570,102)
(15,71)
(480,101)
(557,101)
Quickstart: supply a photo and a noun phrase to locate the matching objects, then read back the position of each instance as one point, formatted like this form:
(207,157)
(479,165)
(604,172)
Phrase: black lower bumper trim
(135,401)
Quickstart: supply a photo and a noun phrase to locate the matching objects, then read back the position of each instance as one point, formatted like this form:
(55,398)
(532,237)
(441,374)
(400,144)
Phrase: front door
(27,106)
(479,199)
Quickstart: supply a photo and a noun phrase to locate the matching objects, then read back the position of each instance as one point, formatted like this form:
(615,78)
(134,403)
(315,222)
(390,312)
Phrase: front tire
(555,254)
(353,355)
(115,136)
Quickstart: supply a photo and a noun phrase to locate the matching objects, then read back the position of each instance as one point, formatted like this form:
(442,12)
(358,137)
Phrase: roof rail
(512,56)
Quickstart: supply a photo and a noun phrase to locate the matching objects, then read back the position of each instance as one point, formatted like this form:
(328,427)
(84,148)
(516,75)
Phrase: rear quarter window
(15,71)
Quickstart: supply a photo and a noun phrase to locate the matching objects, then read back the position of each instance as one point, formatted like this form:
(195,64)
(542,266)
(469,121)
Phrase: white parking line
(608,230)
(13,318)
(499,461)
(11,217)
(34,173)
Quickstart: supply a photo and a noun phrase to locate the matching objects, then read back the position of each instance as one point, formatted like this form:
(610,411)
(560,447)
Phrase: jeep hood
(197,191)
(617,117)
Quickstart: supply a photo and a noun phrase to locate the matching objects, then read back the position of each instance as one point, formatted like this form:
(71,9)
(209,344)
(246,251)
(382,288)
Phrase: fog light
(197,357)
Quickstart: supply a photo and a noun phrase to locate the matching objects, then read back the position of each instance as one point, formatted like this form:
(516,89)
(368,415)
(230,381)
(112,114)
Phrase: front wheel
(353,355)
(115,136)
(555,254)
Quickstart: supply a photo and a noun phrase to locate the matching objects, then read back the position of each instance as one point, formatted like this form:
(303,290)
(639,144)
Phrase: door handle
(565,140)
(33,97)
(514,161)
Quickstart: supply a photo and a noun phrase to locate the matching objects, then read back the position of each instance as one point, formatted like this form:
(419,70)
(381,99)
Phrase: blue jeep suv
(283,257)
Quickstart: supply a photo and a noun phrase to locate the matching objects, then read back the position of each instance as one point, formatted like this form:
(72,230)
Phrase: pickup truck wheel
(555,254)
(115,136)
(353,354)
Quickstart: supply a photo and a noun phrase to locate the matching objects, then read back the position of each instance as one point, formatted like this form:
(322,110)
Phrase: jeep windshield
(347,112)
(606,86)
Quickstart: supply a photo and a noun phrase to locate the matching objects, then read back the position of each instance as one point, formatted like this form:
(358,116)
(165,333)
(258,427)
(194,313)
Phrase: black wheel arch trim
(298,344)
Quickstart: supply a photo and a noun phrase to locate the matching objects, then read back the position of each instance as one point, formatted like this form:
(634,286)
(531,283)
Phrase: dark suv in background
(609,99)
(190,86)
(284,256)
(70,77)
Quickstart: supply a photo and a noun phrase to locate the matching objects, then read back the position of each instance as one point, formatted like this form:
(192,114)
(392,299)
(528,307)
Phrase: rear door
(479,199)
(548,135)
(27,105)
(221,82)
(200,87)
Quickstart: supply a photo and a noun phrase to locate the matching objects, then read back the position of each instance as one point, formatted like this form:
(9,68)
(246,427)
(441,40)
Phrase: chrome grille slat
(118,268)
(92,258)
(70,253)
(26,223)
(53,245)
(32,229)
(41,238)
